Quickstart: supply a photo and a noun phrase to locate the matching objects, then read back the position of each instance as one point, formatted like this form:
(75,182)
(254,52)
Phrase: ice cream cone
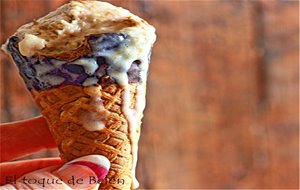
(64,107)
(86,66)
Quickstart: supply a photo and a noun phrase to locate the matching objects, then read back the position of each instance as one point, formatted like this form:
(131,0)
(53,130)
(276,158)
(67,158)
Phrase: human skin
(25,137)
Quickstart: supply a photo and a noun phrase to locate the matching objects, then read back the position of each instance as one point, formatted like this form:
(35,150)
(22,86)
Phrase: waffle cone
(64,107)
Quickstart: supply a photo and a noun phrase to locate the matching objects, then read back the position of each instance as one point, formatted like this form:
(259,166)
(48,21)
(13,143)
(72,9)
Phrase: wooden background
(223,92)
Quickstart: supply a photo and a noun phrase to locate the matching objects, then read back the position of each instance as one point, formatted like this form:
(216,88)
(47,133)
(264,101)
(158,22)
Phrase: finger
(76,174)
(37,180)
(14,170)
(24,137)
(92,169)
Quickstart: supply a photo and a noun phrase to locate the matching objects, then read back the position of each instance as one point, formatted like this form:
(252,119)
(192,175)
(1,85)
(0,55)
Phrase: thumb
(85,172)
(82,173)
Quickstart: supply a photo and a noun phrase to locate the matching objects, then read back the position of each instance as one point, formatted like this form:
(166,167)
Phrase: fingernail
(99,164)
(85,168)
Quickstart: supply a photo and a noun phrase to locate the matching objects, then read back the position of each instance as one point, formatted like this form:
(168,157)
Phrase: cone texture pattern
(64,106)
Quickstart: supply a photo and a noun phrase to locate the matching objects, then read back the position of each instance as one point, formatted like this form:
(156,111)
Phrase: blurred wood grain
(223,92)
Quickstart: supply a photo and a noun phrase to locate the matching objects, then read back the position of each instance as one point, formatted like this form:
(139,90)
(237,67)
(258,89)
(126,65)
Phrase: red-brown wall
(223,91)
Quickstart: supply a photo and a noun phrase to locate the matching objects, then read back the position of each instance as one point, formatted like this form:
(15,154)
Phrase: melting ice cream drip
(91,120)
(134,116)
(128,63)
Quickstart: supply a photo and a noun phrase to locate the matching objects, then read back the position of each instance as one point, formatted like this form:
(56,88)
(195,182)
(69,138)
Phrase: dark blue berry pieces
(104,42)
(43,72)
(73,68)
(101,60)
(40,85)
(14,51)
(26,70)
(134,72)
